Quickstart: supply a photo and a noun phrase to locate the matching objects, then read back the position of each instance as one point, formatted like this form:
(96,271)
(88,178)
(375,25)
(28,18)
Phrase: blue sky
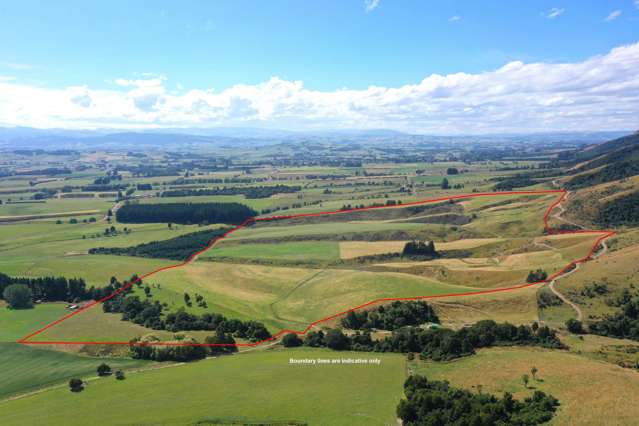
(327,45)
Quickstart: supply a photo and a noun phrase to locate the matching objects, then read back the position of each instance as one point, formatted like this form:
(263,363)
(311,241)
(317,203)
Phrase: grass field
(56,206)
(516,307)
(95,325)
(291,251)
(336,228)
(17,323)
(25,369)
(44,248)
(590,392)
(257,387)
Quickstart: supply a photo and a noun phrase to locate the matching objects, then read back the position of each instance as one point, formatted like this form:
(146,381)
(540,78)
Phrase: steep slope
(610,161)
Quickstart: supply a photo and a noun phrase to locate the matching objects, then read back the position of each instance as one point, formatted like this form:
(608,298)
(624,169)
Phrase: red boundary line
(607,234)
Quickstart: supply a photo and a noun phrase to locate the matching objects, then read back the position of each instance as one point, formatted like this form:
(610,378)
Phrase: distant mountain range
(176,138)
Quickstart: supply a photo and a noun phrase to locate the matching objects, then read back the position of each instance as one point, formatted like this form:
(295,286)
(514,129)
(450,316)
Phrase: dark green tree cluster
(204,180)
(224,341)
(18,296)
(437,403)
(105,188)
(185,213)
(620,211)
(104,370)
(510,183)
(444,344)
(250,192)
(537,276)
(189,351)
(624,324)
(76,385)
(391,317)
(419,249)
(292,340)
(51,289)
(178,248)
(440,344)
(608,173)
(335,339)
(51,171)
(595,289)
(574,326)
(546,299)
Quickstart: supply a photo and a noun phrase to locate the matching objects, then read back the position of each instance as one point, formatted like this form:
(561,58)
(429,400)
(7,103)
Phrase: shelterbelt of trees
(52,289)
(439,344)
(185,213)
(178,248)
(247,191)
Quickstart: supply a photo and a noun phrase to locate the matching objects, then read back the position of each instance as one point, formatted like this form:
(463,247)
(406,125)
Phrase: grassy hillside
(590,392)
(25,368)
(259,387)
(280,297)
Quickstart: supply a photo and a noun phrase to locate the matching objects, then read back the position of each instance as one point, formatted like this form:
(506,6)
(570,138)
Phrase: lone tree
(76,385)
(533,372)
(104,370)
(18,296)
(291,340)
(119,375)
(445,184)
(574,326)
(525,379)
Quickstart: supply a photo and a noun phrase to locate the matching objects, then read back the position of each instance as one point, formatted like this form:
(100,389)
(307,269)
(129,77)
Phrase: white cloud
(553,13)
(454,18)
(599,93)
(370,5)
(613,15)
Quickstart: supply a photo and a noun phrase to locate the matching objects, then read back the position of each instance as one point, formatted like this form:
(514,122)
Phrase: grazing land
(115,216)
(27,369)
(258,387)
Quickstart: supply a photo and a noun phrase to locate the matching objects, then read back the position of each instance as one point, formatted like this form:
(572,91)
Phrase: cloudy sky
(444,67)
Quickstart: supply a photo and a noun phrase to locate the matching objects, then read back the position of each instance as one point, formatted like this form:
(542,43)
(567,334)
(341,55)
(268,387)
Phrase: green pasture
(257,387)
(25,368)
